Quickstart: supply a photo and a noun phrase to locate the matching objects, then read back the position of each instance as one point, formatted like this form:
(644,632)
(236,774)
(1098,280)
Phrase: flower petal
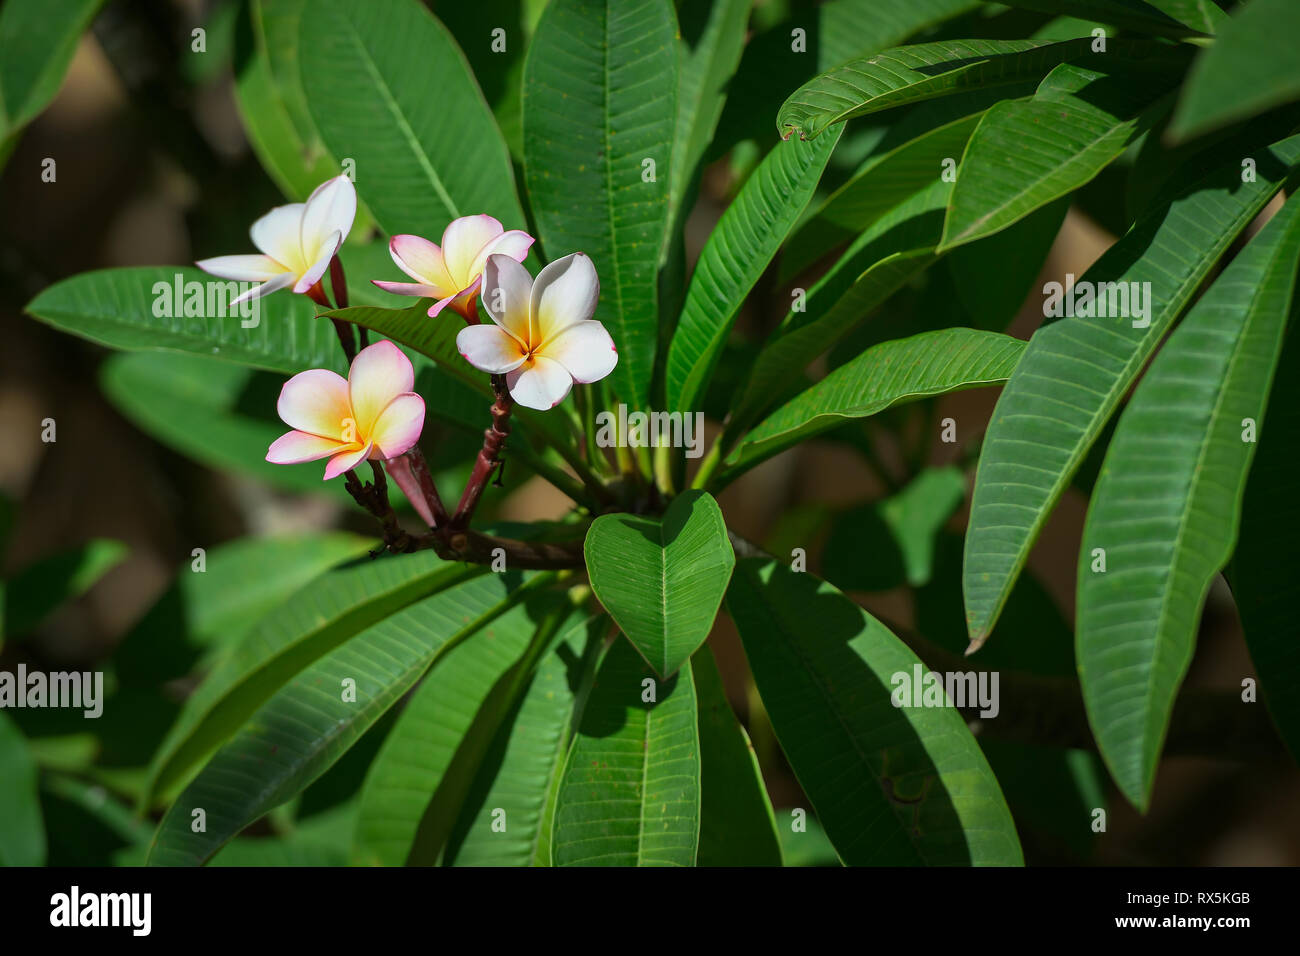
(506,290)
(542,384)
(490,348)
(422,261)
(346,461)
(279,235)
(408,288)
(295,447)
(242,268)
(317,269)
(329,209)
(316,402)
(399,469)
(585,350)
(399,425)
(275,284)
(564,294)
(459,302)
(379,373)
(463,243)
(514,244)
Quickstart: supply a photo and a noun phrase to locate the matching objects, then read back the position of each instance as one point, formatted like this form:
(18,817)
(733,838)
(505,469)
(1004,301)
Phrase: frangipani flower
(371,414)
(297,242)
(453,273)
(543,337)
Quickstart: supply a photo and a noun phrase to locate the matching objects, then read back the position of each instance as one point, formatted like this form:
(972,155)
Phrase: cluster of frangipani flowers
(542,337)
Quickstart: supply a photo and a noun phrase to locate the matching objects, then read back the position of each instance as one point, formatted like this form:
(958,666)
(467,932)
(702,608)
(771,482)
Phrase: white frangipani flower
(542,336)
(297,242)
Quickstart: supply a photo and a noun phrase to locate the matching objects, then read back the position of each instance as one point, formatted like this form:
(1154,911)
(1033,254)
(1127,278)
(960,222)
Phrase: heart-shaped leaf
(662,580)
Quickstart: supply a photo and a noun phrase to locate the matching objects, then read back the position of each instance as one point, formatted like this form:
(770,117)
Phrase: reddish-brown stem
(339,283)
(420,469)
(489,456)
(343,329)
(457,544)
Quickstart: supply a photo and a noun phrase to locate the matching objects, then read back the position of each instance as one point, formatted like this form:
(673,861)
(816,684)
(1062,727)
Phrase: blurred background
(153,167)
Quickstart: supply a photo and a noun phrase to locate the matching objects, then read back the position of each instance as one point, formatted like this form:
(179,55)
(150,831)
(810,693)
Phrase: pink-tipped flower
(542,337)
(371,414)
(453,273)
(297,242)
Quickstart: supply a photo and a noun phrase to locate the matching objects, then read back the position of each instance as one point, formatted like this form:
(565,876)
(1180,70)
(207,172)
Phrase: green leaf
(37,41)
(871,270)
(40,588)
(1171,18)
(917,514)
(1249,68)
(630,790)
(662,580)
(310,723)
(737,823)
(242,581)
(892,785)
(995,275)
(22,831)
(388,88)
(600,99)
(522,771)
(330,610)
(707,67)
(121,308)
(507,760)
(738,251)
(429,762)
(268,92)
(904,164)
(1166,508)
(1082,117)
(454,810)
(833,32)
(1075,371)
(901,370)
(200,407)
(910,74)
(1264,578)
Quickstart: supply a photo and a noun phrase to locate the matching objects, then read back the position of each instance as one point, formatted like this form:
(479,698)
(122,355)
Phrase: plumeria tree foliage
(504,693)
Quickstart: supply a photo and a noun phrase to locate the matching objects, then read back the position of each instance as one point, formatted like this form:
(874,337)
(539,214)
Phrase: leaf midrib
(400,118)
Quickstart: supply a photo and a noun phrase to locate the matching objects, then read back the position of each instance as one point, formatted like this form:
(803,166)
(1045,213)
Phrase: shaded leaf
(891,785)
(1166,507)
(910,74)
(320,617)
(1075,370)
(737,823)
(310,723)
(630,790)
(41,587)
(1249,68)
